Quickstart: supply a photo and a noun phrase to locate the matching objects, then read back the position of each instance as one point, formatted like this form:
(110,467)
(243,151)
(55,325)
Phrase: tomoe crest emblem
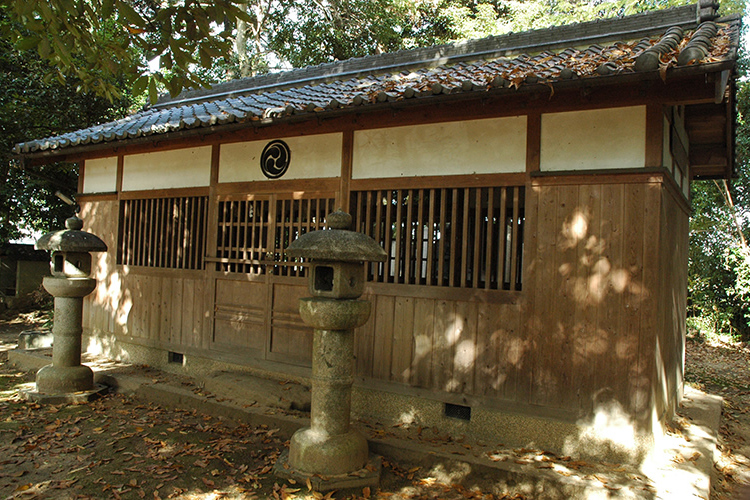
(274,161)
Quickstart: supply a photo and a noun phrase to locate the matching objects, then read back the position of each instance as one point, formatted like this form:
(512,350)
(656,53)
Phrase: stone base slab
(35,339)
(369,475)
(98,391)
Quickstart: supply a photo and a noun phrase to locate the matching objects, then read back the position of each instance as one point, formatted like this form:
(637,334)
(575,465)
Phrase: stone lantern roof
(337,243)
(71,239)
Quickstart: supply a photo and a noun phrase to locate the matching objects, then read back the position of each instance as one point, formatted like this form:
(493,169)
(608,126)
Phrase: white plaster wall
(312,157)
(100,175)
(179,168)
(493,145)
(594,139)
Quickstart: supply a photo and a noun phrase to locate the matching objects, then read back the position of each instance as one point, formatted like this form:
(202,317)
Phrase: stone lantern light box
(337,258)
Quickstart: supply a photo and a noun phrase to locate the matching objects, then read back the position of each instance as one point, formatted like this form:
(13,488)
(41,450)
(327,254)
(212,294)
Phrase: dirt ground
(119,447)
(722,367)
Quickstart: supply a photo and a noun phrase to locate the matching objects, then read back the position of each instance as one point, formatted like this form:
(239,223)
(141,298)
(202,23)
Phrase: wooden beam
(164,193)
(533,141)
(347,157)
(654,135)
(440,181)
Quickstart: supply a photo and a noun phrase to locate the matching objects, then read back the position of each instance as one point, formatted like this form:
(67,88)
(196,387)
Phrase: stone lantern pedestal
(66,380)
(330,453)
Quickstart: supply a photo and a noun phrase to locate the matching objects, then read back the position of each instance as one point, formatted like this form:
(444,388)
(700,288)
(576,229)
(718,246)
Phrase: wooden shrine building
(531,189)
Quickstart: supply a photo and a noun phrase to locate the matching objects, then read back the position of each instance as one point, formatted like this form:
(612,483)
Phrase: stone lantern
(330,453)
(66,380)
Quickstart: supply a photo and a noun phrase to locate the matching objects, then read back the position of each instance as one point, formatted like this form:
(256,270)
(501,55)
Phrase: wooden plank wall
(670,342)
(582,332)
(453,346)
(169,308)
(101,218)
(166,307)
(590,268)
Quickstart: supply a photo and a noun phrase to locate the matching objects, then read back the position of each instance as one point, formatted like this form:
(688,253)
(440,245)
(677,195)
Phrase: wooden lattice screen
(455,237)
(253,234)
(163,232)
(293,219)
(242,235)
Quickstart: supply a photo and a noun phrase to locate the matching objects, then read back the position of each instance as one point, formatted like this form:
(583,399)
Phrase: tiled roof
(650,43)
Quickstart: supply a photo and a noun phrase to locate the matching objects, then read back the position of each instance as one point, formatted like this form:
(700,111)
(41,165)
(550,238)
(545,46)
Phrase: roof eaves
(491,47)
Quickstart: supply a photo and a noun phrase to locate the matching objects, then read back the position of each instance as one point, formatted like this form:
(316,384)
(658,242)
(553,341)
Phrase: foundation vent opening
(176,358)
(458,411)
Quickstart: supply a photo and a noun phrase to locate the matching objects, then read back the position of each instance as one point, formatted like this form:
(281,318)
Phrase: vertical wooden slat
(379,276)
(488,269)
(143,232)
(408,238)
(370,231)
(464,264)
(149,232)
(454,239)
(501,229)
(205,235)
(257,239)
(398,261)
(159,240)
(172,231)
(127,215)
(135,231)
(185,239)
(477,255)
(183,229)
(419,239)
(300,204)
(514,242)
(432,240)
(194,242)
(388,236)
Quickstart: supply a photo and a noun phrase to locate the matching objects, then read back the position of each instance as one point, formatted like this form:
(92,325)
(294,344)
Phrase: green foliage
(99,41)
(719,258)
(33,106)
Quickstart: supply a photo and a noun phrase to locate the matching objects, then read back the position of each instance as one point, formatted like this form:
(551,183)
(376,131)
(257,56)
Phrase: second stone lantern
(330,448)
(66,380)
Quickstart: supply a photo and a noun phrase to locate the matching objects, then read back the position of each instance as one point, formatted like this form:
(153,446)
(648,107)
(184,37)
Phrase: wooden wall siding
(592,277)
(670,341)
(100,218)
(455,237)
(163,232)
(167,309)
(240,315)
(158,306)
(290,340)
(446,345)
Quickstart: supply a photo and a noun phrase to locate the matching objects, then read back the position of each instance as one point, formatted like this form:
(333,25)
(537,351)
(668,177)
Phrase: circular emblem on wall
(274,161)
